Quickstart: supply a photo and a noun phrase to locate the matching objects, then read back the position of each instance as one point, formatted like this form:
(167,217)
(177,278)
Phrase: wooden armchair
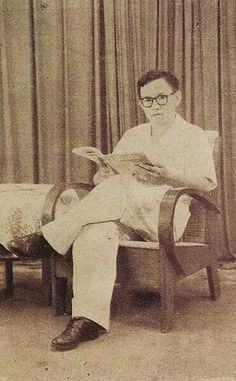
(150,265)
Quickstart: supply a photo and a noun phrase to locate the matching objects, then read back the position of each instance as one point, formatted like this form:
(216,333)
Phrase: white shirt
(184,148)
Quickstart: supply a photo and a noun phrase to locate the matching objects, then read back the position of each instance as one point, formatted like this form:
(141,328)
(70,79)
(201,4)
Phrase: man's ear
(178,96)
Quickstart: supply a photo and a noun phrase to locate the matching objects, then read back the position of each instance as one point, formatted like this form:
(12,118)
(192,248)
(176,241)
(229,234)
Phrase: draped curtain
(68,78)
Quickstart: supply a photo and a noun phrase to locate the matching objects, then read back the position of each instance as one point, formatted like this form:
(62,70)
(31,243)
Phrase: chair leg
(59,293)
(59,289)
(167,296)
(46,280)
(213,281)
(9,279)
(69,296)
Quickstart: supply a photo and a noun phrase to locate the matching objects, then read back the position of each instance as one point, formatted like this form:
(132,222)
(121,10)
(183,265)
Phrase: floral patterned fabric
(21,208)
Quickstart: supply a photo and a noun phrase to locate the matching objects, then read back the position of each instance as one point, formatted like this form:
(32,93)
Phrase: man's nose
(155,105)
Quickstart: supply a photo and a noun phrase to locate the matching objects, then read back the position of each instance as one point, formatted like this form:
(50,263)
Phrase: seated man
(181,156)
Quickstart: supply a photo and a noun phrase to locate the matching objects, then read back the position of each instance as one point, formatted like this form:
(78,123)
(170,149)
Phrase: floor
(201,347)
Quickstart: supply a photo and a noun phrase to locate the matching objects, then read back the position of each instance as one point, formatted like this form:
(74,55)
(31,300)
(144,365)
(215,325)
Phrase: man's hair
(152,75)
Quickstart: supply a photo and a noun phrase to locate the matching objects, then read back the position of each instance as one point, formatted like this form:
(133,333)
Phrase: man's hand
(156,174)
(162,175)
(103,174)
(156,171)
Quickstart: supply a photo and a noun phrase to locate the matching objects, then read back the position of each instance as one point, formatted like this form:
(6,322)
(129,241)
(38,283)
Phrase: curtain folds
(228,121)
(68,78)
(17,148)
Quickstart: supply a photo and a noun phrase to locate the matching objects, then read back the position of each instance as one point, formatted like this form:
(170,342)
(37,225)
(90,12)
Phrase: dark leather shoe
(32,246)
(77,331)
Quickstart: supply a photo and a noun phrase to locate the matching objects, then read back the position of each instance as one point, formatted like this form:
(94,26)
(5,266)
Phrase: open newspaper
(119,163)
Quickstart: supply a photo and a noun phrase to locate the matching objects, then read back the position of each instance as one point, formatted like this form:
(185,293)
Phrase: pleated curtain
(68,78)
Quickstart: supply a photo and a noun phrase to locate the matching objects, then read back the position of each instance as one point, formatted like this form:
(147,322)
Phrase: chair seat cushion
(153,245)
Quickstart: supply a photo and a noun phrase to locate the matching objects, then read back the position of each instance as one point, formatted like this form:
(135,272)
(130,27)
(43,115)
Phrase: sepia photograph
(118,190)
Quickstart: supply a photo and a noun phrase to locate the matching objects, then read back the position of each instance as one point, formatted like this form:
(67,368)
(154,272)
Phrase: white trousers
(90,227)
(94,271)
(106,202)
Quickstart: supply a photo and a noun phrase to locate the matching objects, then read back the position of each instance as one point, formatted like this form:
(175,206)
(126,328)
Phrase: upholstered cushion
(21,208)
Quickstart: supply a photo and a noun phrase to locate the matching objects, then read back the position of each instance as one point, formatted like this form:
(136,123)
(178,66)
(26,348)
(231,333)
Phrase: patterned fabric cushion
(21,208)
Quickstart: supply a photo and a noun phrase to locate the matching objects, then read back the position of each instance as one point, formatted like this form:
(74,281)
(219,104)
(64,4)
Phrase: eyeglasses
(161,100)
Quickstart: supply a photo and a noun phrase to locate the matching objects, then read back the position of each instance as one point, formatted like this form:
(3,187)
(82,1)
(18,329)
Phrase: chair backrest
(215,144)
(212,136)
(196,227)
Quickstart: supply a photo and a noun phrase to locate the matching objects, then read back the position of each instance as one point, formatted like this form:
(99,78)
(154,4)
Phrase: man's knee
(95,242)
(98,232)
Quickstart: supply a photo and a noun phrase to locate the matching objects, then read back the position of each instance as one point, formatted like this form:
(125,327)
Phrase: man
(180,155)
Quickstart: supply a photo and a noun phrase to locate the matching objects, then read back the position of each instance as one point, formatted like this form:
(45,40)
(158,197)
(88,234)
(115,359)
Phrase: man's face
(161,115)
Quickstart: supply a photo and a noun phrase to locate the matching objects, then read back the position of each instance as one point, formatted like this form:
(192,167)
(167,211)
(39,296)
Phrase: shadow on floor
(201,347)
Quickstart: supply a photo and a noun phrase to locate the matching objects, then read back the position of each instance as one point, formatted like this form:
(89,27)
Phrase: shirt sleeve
(125,144)
(133,140)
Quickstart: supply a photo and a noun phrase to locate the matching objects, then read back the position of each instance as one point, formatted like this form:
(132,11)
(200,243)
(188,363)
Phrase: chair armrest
(166,219)
(49,207)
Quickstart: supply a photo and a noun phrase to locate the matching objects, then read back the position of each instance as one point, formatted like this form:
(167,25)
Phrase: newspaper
(119,163)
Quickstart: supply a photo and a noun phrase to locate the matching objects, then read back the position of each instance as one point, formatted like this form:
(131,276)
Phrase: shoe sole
(67,347)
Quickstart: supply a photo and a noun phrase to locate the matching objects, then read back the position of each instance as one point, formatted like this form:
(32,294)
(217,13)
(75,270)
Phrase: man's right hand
(103,174)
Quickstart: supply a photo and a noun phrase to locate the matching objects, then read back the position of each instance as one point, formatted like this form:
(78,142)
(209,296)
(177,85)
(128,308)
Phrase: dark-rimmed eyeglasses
(161,100)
